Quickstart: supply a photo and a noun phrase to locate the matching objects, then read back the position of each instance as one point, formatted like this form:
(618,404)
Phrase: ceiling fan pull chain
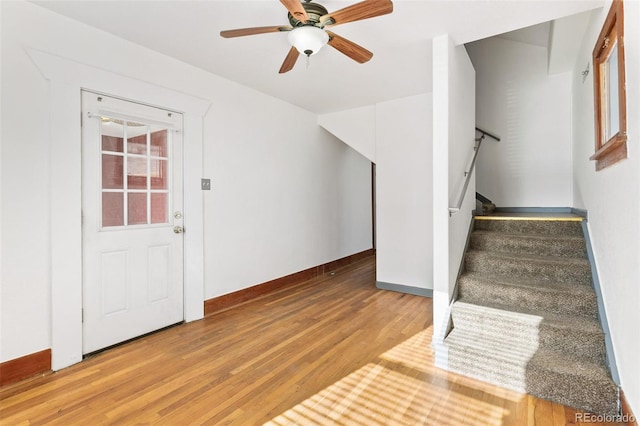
(308,59)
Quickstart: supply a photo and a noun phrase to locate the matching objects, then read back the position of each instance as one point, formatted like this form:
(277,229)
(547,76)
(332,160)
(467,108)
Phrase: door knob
(178,229)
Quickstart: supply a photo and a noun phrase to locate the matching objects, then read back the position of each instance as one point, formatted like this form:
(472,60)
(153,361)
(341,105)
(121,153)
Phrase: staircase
(526,315)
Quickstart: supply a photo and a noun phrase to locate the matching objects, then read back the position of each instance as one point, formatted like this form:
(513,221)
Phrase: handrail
(484,132)
(476,149)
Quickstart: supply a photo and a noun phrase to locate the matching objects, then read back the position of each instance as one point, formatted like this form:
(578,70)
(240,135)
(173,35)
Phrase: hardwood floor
(333,350)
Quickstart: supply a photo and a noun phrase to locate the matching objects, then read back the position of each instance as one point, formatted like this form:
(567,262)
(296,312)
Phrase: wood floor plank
(332,350)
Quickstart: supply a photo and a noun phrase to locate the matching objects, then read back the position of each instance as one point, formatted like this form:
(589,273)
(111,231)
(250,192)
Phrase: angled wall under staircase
(526,314)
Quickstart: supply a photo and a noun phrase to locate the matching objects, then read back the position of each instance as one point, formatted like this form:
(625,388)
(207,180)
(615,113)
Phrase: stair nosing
(577,261)
(528,235)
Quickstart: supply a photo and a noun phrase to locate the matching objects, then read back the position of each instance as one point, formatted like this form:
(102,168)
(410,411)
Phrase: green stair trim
(602,312)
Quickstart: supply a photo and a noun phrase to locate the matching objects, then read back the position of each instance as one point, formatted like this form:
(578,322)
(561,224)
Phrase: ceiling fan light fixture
(308,39)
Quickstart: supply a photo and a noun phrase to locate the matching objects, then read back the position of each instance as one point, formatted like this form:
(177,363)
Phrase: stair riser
(532,298)
(524,334)
(497,372)
(556,228)
(567,389)
(529,269)
(573,390)
(532,246)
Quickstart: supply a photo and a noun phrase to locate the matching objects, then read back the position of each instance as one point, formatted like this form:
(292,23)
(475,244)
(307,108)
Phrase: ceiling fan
(308,33)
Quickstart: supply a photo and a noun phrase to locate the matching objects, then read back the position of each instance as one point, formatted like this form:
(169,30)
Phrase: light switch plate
(205,184)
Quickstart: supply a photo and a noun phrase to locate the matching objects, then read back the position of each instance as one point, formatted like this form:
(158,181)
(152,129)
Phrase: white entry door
(131,220)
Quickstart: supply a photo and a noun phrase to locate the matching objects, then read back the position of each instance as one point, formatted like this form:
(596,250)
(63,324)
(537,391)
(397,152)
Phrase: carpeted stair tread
(494,348)
(557,297)
(543,268)
(586,325)
(584,384)
(544,245)
(538,227)
(532,257)
(570,380)
(580,336)
(487,350)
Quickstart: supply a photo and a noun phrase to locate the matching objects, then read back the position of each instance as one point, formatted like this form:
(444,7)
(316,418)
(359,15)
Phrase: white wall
(612,198)
(398,133)
(531,112)
(462,116)
(403,192)
(283,199)
(355,126)
(280,203)
(453,142)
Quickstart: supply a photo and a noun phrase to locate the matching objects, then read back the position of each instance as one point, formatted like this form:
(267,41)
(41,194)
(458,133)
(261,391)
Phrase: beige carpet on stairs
(526,315)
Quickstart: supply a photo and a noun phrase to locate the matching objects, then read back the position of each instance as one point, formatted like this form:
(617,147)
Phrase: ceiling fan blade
(349,48)
(296,9)
(289,61)
(364,10)
(255,30)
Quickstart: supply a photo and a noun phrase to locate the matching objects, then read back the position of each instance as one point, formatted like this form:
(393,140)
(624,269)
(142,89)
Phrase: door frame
(66,80)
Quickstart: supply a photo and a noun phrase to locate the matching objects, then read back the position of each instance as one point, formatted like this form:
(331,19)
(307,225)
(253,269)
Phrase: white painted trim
(442,47)
(67,77)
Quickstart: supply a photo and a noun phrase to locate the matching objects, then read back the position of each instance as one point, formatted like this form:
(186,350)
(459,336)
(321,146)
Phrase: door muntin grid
(136,174)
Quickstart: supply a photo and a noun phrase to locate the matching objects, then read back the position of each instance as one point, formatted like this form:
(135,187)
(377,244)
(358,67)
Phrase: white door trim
(67,77)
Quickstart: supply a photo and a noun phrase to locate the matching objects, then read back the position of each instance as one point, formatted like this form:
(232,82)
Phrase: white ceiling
(401,42)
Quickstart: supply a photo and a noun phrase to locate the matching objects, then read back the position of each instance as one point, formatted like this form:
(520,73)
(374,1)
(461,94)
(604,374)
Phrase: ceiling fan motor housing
(314,12)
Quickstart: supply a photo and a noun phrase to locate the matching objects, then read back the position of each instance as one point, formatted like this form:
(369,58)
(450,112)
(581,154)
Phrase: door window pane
(111,143)
(112,171)
(137,208)
(136,141)
(136,172)
(112,209)
(112,135)
(159,143)
(159,174)
(159,208)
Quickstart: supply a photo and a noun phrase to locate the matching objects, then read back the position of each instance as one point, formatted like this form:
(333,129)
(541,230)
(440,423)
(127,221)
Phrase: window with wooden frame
(609,90)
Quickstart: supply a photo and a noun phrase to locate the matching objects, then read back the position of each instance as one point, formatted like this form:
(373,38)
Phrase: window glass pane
(111,143)
(159,143)
(159,208)
(159,178)
(112,209)
(112,171)
(112,134)
(613,105)
(136,138)
(137,208)
(136,172)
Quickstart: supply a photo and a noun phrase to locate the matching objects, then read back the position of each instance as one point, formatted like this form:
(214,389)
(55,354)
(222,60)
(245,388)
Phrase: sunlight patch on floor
(401,389)
(414,352)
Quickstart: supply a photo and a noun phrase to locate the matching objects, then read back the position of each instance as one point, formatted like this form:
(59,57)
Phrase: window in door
(609,90)
(135,173)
